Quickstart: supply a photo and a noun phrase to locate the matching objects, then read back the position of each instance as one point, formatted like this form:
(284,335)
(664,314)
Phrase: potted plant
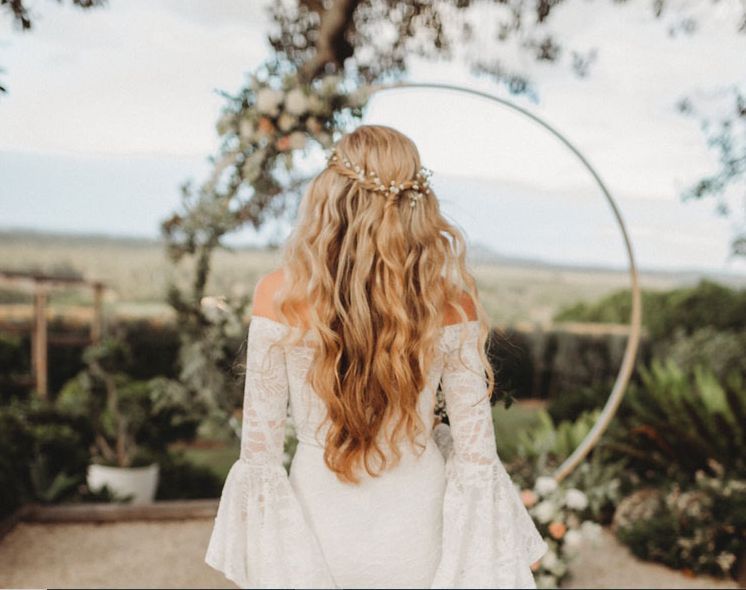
(133,420)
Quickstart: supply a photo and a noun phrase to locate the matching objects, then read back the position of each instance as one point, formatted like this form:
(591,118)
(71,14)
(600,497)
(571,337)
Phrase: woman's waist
(422,476)
(310,452)
(310,439)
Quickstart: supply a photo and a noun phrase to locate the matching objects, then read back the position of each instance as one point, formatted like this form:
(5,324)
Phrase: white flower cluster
(293,114)
(558,510)
(282,120)
(420,186)
(218,312)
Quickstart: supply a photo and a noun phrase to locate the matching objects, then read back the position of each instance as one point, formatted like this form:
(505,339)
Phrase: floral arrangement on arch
(276,115)
(559,516)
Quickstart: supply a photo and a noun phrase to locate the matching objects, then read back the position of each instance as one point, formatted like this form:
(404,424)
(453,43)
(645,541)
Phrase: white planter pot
(140,482)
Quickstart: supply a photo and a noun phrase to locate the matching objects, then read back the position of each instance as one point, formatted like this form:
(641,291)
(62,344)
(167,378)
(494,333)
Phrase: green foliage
(542,446)
(688,309)
(14,364)
(573,402)
(128,416)
(721,352)
(550,441)
(677,421)
(579,361)
(724,133)
(509,422)
(43,454)
(219,458)
(615,308)
(12,354)
(604,481)
(153,348)
(15,444)
(700,526)
(48,484)
(211,347)
(181,479)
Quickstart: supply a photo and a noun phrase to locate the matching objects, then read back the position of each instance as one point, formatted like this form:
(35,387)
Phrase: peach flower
(557,529)
(529,498)
(266,127)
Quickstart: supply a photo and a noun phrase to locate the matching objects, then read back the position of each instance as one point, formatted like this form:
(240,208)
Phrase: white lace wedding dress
(451,518)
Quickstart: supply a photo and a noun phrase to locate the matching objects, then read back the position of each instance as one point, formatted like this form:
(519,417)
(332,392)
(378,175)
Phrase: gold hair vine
(417,188)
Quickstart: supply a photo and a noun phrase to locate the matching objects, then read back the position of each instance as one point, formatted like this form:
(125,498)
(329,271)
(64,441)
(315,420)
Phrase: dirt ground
(612,565)
(169,554)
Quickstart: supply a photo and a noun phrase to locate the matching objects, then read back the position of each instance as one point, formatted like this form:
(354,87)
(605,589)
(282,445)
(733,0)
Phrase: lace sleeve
(260,538)
(489,539)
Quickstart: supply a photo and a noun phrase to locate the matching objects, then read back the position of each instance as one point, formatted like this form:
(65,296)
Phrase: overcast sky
(116,106)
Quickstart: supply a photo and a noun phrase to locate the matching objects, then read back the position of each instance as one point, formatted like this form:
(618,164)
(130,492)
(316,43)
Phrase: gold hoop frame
(630,352)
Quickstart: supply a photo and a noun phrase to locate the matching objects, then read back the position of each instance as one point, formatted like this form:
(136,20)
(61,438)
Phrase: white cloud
(136,77)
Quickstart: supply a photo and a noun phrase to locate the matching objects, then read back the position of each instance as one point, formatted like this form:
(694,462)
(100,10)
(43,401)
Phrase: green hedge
(574,370)
(687,308)
(154,346)
(44,454)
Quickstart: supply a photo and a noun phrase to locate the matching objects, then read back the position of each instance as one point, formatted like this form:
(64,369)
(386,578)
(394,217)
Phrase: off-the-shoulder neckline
(286,326)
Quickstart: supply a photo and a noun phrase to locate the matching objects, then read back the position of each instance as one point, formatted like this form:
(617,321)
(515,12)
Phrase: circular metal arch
(628,361)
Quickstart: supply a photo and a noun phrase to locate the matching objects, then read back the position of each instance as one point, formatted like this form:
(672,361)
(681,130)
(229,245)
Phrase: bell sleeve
(489,538)
(260,537)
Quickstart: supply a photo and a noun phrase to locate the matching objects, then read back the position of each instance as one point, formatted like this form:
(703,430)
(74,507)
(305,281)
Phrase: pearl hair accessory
(416,188)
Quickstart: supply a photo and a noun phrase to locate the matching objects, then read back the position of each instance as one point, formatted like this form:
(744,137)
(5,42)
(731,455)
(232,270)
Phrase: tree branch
(332,45)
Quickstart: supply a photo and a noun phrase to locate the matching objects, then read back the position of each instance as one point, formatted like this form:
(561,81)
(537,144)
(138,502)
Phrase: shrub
(550,443)
(128,416)
(180,479)
(604,481)
(43,454)
(673,423)
(721,352)
(153,348)
(570,404)
(689,308)
(153,351)
(700,526)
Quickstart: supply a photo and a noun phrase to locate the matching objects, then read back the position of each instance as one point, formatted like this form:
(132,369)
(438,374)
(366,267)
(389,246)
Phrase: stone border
(8,523)
(110,512)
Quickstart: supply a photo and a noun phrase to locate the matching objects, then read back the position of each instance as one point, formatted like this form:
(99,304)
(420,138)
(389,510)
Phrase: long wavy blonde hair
(376,276)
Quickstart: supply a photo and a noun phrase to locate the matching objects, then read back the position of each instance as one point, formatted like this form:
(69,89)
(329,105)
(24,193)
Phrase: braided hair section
(416,187)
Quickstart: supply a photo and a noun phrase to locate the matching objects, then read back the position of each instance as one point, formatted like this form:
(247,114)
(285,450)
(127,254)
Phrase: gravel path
(169,554)
(612,565)
(160,554)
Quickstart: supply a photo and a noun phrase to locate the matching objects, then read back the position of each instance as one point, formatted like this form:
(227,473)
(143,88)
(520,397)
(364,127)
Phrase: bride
(372,310)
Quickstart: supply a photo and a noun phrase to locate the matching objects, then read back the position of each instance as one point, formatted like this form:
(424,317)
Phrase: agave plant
(542,445)
(677,421)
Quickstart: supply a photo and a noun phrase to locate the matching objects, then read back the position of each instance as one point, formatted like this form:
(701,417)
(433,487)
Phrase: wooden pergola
(40,285)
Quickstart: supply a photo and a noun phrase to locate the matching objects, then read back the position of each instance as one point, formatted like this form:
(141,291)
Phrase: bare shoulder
(467,302)
(268,285)
(262,302)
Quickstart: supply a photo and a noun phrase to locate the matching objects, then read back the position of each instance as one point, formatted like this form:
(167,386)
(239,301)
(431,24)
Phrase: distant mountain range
(478,253)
